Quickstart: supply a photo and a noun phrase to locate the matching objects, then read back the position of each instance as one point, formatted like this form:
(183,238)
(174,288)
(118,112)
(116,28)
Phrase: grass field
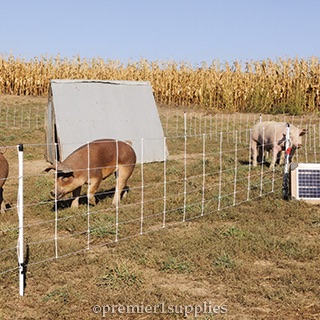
(256,260)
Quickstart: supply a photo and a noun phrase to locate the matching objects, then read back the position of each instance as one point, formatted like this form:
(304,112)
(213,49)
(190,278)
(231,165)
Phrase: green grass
(120,276)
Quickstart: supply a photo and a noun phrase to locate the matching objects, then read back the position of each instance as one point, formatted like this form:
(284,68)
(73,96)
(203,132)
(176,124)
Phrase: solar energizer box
(305,181)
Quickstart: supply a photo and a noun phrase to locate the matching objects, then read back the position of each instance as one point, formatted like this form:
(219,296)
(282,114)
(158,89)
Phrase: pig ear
(282,140)
(50,168)
(64,168)
(303,132)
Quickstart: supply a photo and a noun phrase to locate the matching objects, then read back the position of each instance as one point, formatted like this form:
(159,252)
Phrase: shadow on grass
(246,163)
(83,199)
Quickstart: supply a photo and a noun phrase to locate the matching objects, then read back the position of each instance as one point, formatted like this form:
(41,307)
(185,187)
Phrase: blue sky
(161,30)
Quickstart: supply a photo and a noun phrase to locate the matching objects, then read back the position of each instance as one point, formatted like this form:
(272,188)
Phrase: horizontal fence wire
(208,169)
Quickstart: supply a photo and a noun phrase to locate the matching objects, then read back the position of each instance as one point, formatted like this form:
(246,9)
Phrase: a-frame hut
(80,111)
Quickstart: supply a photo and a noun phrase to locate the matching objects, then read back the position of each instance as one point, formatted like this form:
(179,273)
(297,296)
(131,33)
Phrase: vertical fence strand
(203,171)
(142,190)
(249,165)
(164,182)
(235,168)
(88,198)
(220,173)
(116,192)
(56,203)
(185,169)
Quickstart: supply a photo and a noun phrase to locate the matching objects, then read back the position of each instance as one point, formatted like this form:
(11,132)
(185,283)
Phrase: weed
(61,294)
(224,261)
(173,264)
(234,232)
(294,250)
(102,232)
(119,276)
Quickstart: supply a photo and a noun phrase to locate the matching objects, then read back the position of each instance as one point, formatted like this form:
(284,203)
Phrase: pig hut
(80,111)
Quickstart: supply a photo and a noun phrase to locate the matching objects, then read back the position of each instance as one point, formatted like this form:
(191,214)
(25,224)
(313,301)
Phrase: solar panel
(305,181)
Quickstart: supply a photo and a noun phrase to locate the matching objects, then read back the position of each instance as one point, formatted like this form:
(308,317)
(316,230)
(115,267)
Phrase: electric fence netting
(208,170)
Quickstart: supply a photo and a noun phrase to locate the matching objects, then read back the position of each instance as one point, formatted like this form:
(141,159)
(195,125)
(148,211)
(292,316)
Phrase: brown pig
(105,156)
(4,171)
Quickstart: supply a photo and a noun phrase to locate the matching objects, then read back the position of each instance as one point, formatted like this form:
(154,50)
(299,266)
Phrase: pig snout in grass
(271,136)
(4,171)
(92,163)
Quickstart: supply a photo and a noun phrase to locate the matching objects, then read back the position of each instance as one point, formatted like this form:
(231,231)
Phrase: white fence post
(20,215)
(287,144)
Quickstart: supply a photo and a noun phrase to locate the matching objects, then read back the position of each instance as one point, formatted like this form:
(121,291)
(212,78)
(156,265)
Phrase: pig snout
(57,193)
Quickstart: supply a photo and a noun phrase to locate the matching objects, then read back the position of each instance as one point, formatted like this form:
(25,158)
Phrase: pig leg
(120,185)
(76,194)
(276,149)
(254,152)
(2,205)
(280,157)
(293,150)
(260,154)
(93,186)
(123,176)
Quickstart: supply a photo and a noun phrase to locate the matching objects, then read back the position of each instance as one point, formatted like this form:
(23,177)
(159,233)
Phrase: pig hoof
(75,203)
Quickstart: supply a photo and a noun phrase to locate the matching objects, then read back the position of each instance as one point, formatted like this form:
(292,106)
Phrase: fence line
(207,171)
(27,117)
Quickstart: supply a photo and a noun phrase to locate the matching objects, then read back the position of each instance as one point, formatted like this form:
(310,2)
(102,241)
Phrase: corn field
(282,86)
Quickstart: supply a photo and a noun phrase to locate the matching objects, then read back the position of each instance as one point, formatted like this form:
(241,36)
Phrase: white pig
(271,135)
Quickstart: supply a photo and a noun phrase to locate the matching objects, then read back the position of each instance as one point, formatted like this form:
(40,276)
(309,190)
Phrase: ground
(257,260)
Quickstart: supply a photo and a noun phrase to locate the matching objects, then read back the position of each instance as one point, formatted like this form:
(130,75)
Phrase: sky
(193,31)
